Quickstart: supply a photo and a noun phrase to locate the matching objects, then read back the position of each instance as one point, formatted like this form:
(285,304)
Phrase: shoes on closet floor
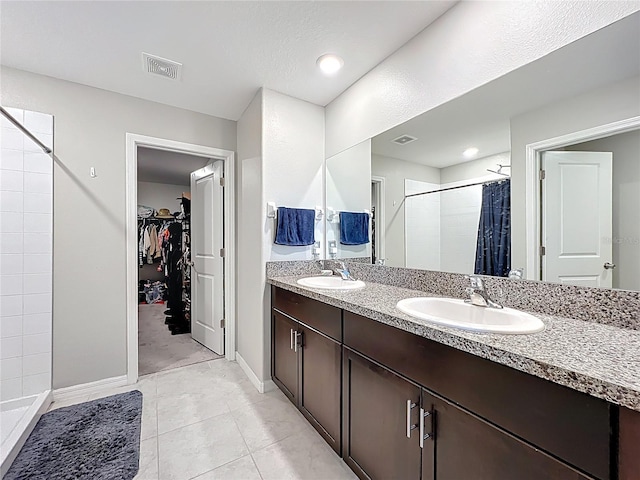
(180,329)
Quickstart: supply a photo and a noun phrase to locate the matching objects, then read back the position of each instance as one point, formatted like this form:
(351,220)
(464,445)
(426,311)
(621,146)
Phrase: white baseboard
(89,388)
(261,386)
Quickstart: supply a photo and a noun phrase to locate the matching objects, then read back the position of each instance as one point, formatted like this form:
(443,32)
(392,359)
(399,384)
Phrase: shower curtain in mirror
(493,250)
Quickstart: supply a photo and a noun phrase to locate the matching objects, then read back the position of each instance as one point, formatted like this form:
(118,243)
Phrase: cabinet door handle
(296,334)
(425,436)
(291,339)
(410,406)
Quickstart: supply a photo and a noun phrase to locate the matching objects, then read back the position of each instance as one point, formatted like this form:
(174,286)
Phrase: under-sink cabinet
(421,435)
(396,405)
(306,359)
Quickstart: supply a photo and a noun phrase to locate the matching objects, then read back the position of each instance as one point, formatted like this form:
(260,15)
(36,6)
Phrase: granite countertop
(601,360)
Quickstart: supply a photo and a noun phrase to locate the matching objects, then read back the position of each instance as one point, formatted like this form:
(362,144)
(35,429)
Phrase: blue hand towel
(354,228)
(295,227)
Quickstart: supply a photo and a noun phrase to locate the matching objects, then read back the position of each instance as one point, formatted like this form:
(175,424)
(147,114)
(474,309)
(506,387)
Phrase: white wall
(293,164)
(89,326)
(26,198)
(251,253)
(162,195)
(474,170)
(626,204)
(470,45)
(395,173)
(598,107)
(346,193)
(281,152)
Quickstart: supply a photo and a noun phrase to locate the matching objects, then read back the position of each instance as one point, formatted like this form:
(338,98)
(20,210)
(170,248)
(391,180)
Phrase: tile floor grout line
(194,423)
(256,465)
(220,466)
(273,443)
(248,449)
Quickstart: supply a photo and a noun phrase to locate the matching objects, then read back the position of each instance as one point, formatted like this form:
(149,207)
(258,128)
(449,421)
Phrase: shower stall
(26,257)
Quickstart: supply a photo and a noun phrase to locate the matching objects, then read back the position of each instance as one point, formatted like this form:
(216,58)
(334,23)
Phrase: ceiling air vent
(161,66)
(404,139)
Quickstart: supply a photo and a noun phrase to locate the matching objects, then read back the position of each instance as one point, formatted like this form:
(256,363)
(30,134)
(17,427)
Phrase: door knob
(609,266)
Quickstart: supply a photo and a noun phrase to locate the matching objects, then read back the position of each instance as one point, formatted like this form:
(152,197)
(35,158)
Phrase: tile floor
(206,421)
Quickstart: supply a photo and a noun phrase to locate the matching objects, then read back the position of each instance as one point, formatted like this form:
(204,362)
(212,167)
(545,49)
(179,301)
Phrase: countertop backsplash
(619,308)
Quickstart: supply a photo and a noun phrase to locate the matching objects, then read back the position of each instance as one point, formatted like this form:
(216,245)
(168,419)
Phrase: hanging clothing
(493,250)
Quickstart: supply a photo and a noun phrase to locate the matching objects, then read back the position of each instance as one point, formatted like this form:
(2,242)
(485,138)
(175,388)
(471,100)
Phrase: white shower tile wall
(422,226)
(459,217)
(26,238)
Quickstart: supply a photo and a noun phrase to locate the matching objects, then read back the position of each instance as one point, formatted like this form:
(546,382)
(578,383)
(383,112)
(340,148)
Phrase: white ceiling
(160,166)
(229,48)
(481,118)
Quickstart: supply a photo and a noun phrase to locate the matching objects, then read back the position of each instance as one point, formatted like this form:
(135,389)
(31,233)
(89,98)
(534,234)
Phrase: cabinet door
(321,366)
(468,447)
(375,423)
(284,361)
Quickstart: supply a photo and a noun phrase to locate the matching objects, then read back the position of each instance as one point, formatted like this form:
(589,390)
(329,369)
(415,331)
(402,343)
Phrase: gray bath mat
(92,440)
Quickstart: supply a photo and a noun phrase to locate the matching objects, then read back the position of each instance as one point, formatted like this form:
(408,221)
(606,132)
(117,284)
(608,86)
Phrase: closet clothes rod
(455,188)
(20,127)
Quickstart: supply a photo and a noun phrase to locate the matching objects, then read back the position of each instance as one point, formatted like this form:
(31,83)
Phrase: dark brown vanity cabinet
(461,445)
(380,414)
(307,359)
(284,364)
(399,406)
(393,428)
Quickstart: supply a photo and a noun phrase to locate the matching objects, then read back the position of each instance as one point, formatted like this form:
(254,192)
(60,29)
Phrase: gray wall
(626,204)
(89,300)
(599,107)
(395,172)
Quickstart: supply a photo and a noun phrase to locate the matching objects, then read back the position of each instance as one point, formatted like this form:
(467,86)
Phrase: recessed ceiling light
(330,63)
(470,152)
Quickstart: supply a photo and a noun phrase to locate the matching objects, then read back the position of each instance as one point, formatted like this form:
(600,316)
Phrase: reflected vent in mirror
(161,66)
(404,139)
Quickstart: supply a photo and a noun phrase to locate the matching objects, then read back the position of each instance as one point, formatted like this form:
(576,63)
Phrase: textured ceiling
(229,48)
(159,166)
(481,118)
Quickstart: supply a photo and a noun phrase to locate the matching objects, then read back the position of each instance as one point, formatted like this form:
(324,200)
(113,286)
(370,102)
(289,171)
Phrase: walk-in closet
(164,261)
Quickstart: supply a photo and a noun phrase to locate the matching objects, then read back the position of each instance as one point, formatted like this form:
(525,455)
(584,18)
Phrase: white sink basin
(456,313)
(331,283)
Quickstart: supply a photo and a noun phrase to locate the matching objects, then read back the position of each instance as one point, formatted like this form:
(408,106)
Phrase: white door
(207,242)
(577,218)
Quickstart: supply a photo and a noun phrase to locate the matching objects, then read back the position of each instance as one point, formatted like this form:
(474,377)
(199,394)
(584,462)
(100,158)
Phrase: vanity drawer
(324,318)
(566,423)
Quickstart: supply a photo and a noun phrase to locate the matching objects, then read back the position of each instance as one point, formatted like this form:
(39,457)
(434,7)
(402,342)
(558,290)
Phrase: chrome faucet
(478,296)
(343,271)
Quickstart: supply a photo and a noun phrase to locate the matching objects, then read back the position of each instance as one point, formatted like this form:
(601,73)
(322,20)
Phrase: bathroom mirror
(347,190)
(578,225)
